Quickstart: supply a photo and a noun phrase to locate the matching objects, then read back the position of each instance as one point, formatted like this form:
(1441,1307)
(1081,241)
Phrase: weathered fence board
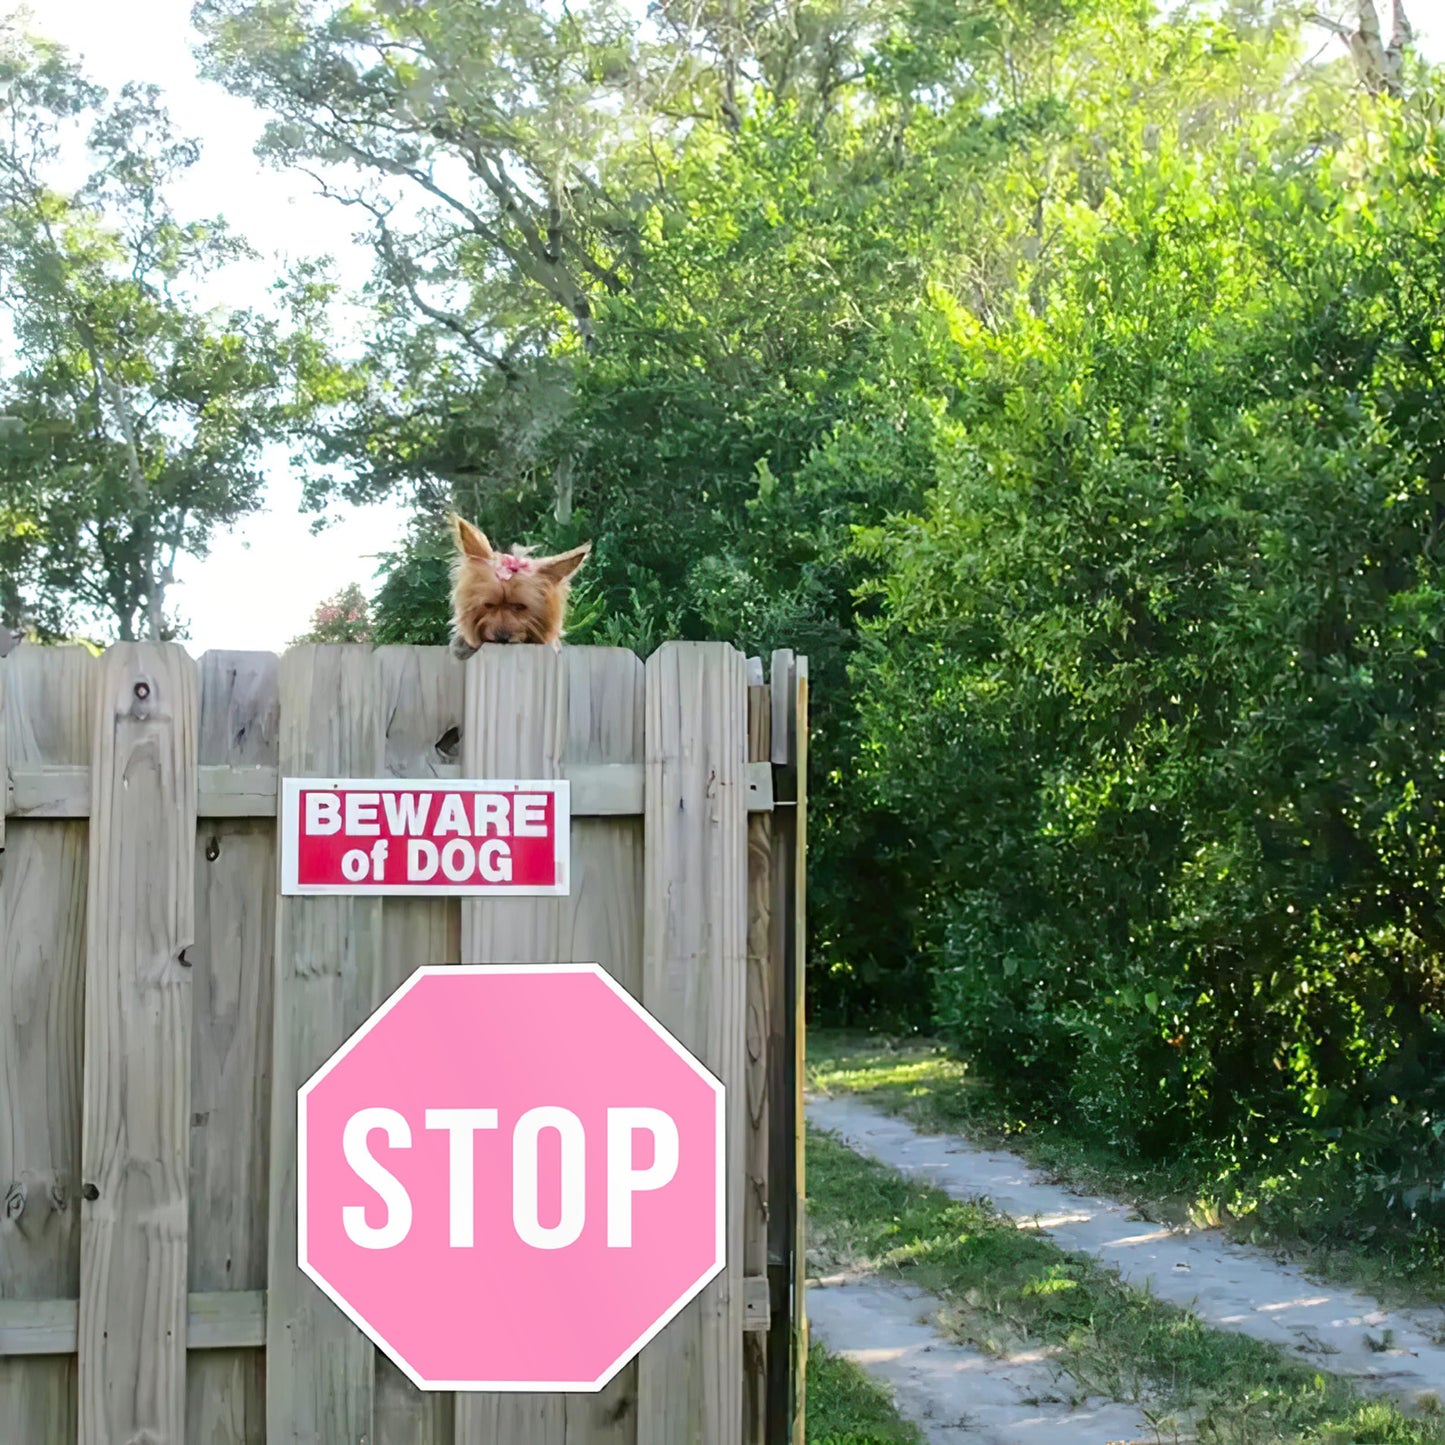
(759,1006)
(48,703)
(694,982)
(685,862)
(319,1373)
(599,790)
(421,701)
(234,961)
(135,1124)
(579,706)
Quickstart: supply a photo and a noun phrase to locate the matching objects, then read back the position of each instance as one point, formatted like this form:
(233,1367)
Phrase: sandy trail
(955,1395)
(1230,1286)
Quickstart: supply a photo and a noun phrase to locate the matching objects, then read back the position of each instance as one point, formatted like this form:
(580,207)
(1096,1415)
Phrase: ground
(986,1330)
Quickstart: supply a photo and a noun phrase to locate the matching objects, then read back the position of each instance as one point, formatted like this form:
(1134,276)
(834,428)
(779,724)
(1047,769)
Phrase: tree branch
(1380,66)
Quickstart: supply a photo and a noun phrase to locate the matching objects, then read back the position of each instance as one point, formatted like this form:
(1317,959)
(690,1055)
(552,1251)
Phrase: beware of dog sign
(424,838)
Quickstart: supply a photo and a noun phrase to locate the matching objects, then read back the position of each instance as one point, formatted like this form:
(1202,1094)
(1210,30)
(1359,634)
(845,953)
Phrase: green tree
(134,418)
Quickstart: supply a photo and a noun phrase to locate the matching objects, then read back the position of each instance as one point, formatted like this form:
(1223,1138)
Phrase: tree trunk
(1379,63)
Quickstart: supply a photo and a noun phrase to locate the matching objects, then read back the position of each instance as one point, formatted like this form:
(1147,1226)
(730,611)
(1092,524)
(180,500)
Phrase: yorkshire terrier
(507,596)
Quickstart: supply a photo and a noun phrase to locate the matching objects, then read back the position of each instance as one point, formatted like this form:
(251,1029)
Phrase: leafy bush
(1160,682)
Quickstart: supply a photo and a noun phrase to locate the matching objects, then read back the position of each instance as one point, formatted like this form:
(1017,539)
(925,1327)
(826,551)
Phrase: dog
(507,596)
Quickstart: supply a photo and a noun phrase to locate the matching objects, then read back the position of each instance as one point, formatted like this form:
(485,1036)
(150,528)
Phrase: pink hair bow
(509,564)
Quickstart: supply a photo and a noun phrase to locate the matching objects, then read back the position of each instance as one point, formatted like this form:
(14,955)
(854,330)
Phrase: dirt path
(958,1396)
(1230,1286)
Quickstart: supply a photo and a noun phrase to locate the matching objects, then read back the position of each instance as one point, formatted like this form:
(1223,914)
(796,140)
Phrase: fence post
(787,1256)
(135,1131)
(690,1379)
(798,1003)
(762,1019)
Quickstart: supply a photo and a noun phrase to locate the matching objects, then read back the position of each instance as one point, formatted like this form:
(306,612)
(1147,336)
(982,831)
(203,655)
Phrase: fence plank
(49,719)
(695,983)
(602,790)
(759,1034)
(798,1003)
(421,701)
(529,711)
(217,1321)
(231,1054)
(135,1119)
(319,1374)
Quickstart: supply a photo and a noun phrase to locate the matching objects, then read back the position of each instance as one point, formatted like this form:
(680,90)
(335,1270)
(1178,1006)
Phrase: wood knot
(143,700)
(89,1191)
(213,848)
(59,1196)
(15,1199)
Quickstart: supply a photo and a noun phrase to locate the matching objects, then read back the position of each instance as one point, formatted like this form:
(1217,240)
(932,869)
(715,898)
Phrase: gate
(161,1003)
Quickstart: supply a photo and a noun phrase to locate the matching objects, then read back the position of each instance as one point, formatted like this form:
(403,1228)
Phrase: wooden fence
(160,1004)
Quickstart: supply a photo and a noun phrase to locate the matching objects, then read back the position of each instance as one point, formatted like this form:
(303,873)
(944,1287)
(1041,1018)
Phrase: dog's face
(507,596)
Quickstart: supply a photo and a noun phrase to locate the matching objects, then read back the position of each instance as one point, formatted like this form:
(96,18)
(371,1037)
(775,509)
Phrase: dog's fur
(507,596)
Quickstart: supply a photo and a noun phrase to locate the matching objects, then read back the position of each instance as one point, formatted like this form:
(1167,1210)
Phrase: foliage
(845,1407)
(346,617)
(134,418)
(1168,634)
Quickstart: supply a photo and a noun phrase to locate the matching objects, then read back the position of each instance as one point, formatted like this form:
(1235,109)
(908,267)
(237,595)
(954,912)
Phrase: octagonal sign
(511,1177)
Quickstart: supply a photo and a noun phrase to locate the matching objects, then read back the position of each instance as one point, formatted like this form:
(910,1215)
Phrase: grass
(919,1080)
(1005,1289)
(845,1407)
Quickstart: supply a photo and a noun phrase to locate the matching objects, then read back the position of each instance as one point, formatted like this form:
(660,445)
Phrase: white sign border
(554,1387)
(290,824)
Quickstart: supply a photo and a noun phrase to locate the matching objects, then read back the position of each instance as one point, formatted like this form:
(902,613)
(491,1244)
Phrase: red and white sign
(424,838)
(511,1177)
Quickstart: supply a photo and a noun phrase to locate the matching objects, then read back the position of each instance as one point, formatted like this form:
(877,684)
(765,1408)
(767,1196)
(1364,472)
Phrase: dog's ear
(471,542)
(564,564)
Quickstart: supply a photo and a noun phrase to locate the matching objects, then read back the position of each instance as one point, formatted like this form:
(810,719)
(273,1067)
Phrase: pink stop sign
(511,1177)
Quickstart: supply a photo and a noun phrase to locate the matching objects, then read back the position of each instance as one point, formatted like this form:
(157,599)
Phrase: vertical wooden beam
(759,1034)
(4,768)
(782,1177)
(234,967)
(49,719)
(421,703)
(528,710)
(136,1114)
(319,1374)
(799,1006)
(695,984)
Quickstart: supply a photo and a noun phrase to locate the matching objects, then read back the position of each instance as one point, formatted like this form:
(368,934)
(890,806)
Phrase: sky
(262,581)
